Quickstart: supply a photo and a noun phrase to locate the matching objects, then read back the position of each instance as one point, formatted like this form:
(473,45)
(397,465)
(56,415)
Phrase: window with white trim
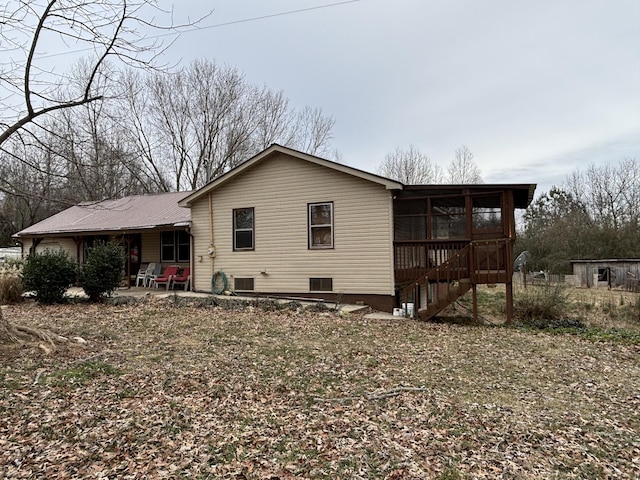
(321,225)
(243,229)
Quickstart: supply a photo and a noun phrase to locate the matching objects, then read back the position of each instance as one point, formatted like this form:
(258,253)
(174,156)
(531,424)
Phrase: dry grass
(603,308)
(161,391)
(10,284)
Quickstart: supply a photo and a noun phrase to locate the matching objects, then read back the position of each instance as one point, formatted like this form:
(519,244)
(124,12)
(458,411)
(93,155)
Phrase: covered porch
(150,229)
(449,239)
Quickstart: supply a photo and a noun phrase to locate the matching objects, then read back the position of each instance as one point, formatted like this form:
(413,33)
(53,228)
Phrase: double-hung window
(321,225)
(175,246)
(243,229)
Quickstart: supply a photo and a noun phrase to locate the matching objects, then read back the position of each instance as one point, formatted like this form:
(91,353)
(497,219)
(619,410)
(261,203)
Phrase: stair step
(445,297)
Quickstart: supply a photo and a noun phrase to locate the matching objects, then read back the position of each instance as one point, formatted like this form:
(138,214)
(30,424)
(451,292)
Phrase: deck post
(474,293)
(509,295)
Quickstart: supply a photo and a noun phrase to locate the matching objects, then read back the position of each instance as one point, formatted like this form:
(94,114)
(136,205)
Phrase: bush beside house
(101,274)
(48,274)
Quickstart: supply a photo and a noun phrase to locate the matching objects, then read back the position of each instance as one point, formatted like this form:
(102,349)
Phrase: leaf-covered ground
(160,391)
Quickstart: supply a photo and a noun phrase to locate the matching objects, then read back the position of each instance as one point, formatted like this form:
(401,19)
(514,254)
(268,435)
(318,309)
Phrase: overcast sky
(535,89)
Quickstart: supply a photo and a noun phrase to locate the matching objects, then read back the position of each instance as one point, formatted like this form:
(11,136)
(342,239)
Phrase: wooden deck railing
(413,259)
(475,262)
(491,260)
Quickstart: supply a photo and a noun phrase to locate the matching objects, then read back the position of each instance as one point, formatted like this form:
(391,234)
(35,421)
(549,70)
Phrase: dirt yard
(166,389)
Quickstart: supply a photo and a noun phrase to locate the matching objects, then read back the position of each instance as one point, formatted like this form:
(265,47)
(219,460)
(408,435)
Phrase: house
(606,273)
(151,228)
(290,224)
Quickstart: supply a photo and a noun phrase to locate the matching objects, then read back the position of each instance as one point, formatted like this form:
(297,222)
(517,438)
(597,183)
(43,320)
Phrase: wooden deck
(432,286)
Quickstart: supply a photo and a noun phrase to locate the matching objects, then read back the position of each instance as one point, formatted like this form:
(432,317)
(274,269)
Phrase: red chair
(166,276)
(183,279)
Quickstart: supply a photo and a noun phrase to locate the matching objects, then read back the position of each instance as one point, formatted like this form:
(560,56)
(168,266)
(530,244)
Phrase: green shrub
(48,274)
(101,274)
(10,283)
(554,324)
(541,303)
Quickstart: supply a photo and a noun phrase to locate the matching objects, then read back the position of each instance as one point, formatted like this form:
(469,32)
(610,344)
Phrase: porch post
(509,285)
(509,293)
(128,240)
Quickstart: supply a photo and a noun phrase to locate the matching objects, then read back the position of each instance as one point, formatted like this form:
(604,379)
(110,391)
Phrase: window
(321,225)
(606,274)
(90,242)
(243,284)
(243,229)
(321,284)
(175,246)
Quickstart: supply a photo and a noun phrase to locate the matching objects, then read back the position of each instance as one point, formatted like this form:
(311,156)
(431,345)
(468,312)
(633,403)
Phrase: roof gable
(136,212)
(275,149)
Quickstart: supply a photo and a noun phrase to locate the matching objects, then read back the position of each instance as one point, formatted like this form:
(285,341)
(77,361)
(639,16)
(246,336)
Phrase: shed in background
(606,273)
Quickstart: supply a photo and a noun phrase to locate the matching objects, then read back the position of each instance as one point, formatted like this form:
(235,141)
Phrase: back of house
(290,224)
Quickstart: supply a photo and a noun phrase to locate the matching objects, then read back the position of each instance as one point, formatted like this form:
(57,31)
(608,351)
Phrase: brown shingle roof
(137,212)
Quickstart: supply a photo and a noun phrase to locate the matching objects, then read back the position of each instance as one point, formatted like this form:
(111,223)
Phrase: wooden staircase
(476,263)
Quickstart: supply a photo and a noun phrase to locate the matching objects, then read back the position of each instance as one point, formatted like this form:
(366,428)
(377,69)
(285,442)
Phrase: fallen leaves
(163,392)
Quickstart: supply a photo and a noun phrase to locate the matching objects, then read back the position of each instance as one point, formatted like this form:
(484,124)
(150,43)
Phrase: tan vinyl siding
(203,264)
(66,244)
(280,189)
(150,247)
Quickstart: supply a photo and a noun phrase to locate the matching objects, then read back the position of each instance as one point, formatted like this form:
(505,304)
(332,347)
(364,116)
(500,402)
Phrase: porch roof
(138,212)
(522,192)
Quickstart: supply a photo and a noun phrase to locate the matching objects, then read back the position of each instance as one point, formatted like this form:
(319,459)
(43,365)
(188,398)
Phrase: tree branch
(11,129)
(32,51)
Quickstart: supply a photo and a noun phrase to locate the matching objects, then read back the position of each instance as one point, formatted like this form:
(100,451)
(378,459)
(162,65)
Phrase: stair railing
(455,268)
(488,256)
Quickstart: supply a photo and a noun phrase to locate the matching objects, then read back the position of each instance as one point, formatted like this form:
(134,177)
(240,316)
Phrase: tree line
(594,214)
(115,123)
(412,167)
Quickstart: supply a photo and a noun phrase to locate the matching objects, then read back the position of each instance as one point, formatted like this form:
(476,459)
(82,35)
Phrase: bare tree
(596,214)
(463,168)
(30,85)
(30,189)
(96,158)
(68,156)
(611,193)
(410,167)
(102,29)
(135,105)
(192,125)
(311,132)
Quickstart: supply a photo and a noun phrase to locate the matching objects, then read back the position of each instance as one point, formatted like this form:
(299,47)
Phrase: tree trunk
(8,333)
